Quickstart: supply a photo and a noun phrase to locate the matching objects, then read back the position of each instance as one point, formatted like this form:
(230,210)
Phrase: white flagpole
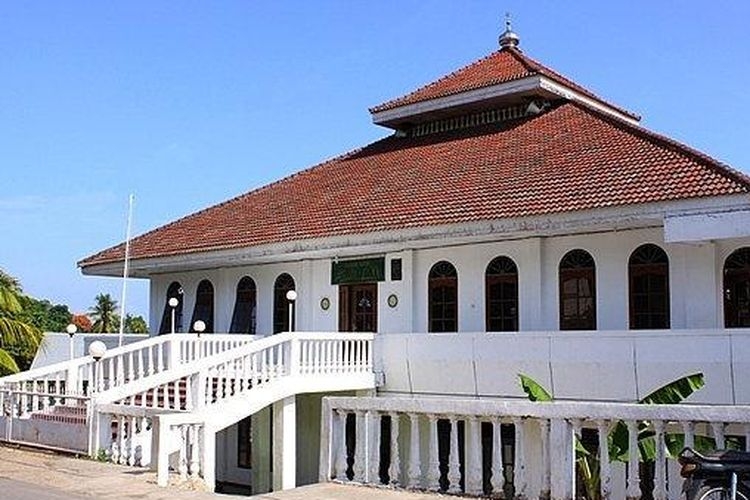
(125,269)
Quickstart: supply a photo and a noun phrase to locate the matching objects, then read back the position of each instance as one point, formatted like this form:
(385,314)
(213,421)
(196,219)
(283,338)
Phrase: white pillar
(498,476)
(605,469)
(454,472)
(285,446)
(633,490)
(660,473)
(415,468)
(433,460)
(544,494)
(519,465)
(340,451)
(373,442)
(394,469)
(473,469)
(360,447)
(562,455)
(208,450)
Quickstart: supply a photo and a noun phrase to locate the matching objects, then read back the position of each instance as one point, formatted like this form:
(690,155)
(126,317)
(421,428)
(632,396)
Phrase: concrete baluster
(544,493)
(717,429)
(182,466)
(433,458)
(688,429)
(340,455)
(747,437)
(194,431)
(373,428)
(633,490)
(473,469)
(498,477)
(415,467)
(519,464)
(605,467)
(660,473)
(454,472)
(360,447)
(394,469)
(131,442)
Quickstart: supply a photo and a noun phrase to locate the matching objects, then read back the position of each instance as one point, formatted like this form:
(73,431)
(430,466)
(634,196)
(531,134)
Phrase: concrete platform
(82,478)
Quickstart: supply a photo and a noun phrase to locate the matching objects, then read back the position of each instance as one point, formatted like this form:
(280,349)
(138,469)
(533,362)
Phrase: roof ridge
(233,199)
(662,140)
(390,102)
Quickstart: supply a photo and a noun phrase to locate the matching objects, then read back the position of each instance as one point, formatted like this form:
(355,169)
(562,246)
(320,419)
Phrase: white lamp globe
(71,329)
(97,349)
(173,302)
(199,326)
(291,295)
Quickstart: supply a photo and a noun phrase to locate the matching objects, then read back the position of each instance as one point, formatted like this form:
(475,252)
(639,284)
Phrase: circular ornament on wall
(392,300)
(325,303)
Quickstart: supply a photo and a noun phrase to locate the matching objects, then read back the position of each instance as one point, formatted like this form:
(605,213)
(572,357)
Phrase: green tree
(43,314)
(104,314)
(135,324)
(18,339)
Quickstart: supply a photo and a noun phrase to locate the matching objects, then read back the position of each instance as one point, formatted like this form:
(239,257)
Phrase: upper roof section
(504,77)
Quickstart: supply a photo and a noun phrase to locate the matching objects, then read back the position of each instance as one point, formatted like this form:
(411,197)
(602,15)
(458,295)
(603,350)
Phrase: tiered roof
(570,154)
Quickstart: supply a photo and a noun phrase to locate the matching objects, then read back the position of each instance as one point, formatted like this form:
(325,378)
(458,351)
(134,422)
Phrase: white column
(717,429)
(433,460)
(415,467)
(562,455)
(473,469)
(498,476)
(633,491)
(394,469)
(544,493)
(605,469)
(373,441)
(208,450)
(285,448)
(360,447)
(519,464)
(660,473)
(340,452)
(454,473)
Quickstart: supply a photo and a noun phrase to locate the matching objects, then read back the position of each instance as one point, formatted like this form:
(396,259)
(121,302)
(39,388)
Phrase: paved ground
(37,475)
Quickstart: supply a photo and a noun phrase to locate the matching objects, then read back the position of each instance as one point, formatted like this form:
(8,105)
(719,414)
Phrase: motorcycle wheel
(709,492)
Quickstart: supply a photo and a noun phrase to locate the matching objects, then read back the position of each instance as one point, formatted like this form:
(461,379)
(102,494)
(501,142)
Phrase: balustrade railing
(518,449)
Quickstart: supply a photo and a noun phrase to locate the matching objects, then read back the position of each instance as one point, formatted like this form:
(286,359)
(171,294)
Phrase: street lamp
(173,303)
(199,327)
(71,329)
(291,296)
(97,349)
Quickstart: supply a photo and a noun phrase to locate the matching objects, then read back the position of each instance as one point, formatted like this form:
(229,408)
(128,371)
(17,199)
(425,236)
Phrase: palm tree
(15,336)
(104,313)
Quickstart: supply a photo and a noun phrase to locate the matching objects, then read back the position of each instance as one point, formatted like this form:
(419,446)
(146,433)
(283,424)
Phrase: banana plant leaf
(675,392)
(533,389)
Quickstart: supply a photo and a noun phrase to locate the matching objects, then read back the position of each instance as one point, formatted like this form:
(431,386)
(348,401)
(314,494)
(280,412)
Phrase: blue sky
(186,104)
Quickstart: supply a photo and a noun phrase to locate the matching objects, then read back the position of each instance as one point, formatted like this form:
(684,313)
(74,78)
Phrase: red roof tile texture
(502,66)
(566,159)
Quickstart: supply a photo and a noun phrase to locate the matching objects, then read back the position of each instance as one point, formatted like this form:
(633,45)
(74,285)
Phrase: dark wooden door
(358,307)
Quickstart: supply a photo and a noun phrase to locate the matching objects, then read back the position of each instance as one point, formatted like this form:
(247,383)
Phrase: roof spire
(509,38)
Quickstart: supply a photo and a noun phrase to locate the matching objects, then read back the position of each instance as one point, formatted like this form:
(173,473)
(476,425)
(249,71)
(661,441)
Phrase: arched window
(243,317)
(443,298)
(204,306)
(577,291)
(283,284)
(737,289)
(648,279)
(501,295)
(174,291)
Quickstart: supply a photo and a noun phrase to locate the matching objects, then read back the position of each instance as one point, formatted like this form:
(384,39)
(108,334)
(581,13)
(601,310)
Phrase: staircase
(163,400)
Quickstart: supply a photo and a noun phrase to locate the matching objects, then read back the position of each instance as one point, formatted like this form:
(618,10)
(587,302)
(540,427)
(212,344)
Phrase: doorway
(358,307)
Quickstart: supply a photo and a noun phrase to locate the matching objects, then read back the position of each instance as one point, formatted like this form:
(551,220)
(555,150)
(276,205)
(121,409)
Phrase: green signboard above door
(358,271)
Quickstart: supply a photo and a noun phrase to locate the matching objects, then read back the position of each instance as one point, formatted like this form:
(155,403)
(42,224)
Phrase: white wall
(606,366)
(695,284)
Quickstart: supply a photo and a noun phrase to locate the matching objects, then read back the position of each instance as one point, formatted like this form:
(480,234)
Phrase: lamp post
(97,350)
(173,303)
(291,296)
(71,329)
(199,327)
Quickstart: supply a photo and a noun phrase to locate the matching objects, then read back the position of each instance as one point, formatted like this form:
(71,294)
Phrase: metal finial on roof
(509,38)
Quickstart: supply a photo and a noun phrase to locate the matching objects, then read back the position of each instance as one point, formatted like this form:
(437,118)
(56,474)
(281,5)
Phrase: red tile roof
(502,66)
(568,158)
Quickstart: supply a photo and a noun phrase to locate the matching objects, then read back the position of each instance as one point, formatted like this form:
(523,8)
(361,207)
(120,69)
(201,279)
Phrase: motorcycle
(719,475)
